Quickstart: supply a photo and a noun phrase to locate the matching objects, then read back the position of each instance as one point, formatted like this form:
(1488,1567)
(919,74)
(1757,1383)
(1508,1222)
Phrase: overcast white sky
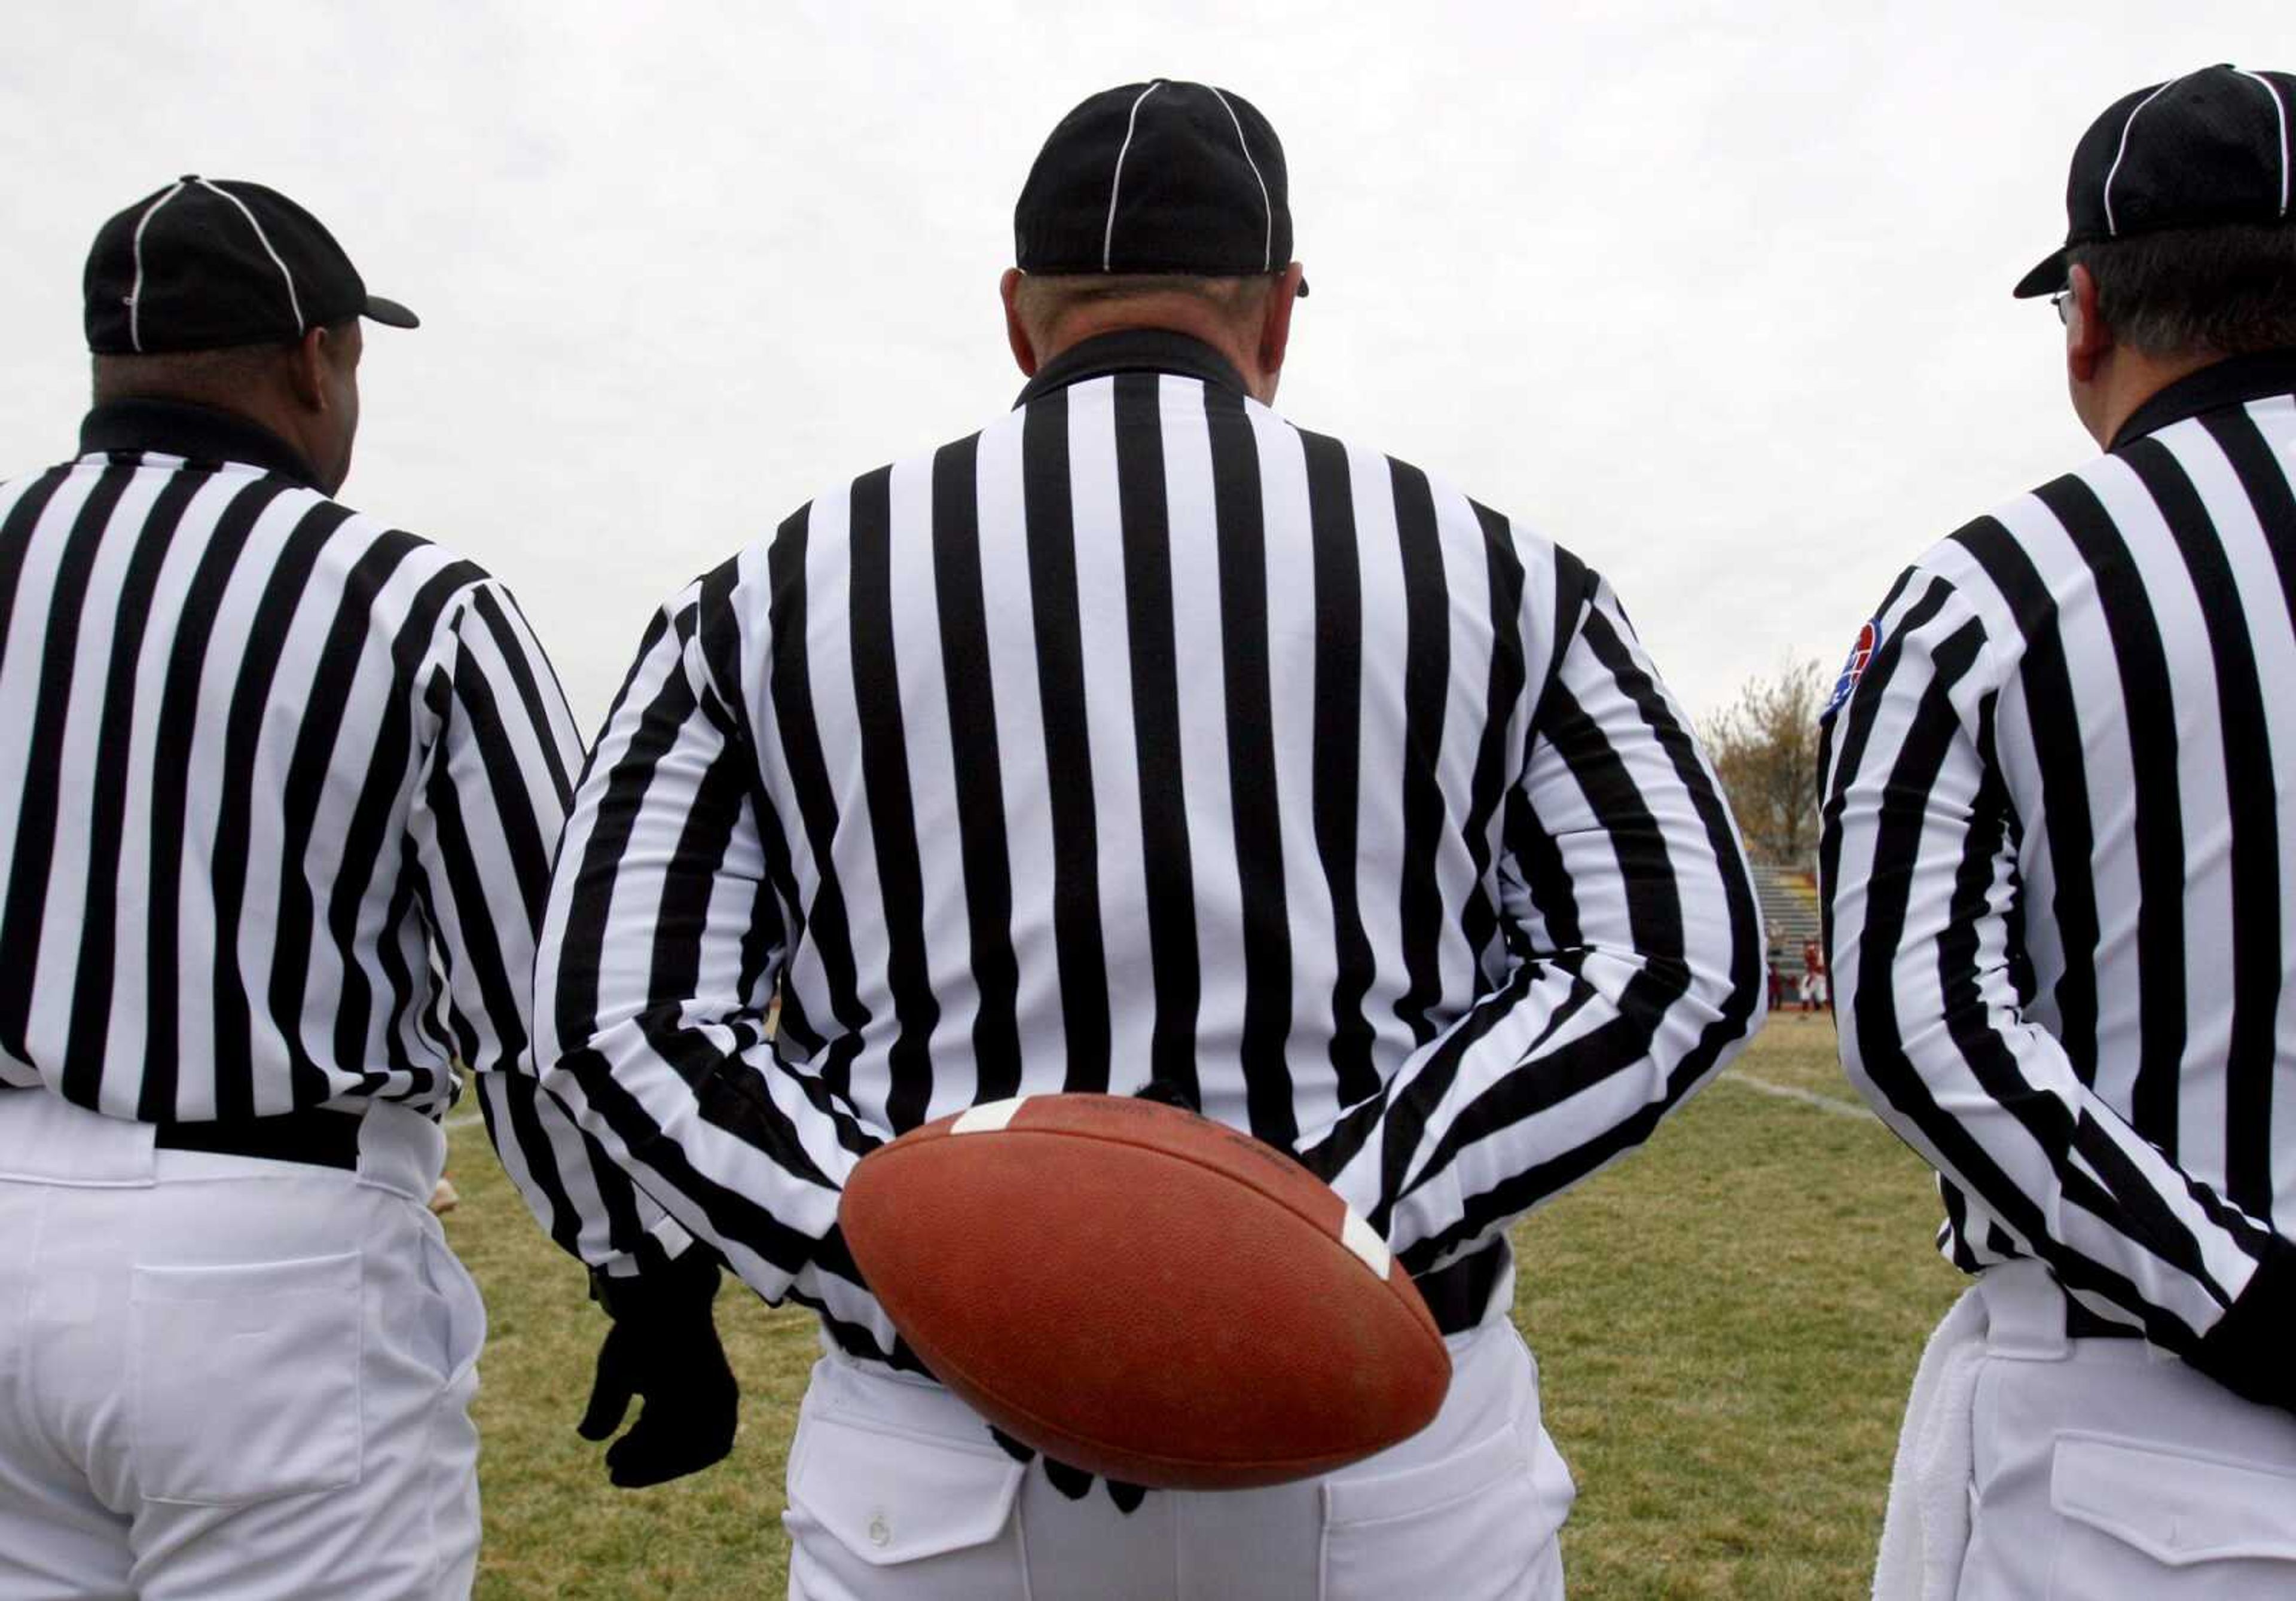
(1715,294)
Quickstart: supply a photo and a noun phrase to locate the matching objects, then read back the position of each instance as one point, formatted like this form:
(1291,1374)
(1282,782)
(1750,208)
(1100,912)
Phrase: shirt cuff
(667,1241)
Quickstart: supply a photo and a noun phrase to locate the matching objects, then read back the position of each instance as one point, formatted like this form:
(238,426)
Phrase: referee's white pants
(221,1376)
(896,1491)
(2097,1469)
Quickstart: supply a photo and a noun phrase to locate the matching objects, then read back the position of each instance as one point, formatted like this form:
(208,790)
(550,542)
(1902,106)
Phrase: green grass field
(1726,1324)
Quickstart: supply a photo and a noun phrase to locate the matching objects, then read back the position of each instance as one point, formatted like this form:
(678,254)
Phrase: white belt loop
(45,1139)
(2025,1313)
(400,1150)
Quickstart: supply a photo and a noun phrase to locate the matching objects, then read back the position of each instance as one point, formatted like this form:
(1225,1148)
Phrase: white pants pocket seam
(255,1338)
(1501,1507)
(1519,1463)
(2115,1485)
(870,1508)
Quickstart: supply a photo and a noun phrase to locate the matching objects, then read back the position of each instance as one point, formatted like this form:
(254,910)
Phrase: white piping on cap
(1116,178)
(1266,207)
(264,240)
(2111,228)
(2280,109)
(135,289)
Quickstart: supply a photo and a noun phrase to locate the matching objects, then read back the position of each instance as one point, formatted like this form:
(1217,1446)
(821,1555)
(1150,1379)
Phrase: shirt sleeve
(659,953)
(1918,857)
(1636,968)
(485,816)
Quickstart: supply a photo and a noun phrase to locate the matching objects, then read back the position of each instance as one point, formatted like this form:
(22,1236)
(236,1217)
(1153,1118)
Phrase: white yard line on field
(1808,1097)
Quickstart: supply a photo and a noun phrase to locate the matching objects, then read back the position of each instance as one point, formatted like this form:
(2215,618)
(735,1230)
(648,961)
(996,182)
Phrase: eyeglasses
(2063,301)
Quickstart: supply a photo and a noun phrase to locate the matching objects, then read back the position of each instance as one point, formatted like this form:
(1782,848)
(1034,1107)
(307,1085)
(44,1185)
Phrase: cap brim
(2046,279)
(391,313)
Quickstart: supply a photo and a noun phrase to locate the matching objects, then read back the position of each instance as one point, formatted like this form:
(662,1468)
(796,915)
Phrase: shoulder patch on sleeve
(1869,640)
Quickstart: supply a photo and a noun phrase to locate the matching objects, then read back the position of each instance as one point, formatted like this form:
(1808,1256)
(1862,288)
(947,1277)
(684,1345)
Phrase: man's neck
(1182,315)
(2130,379)
(1133,350)
(196,429)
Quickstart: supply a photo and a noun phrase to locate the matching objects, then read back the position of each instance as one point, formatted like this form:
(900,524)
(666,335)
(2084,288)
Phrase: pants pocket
(1477,1526)
(881,1512)
(461,1311)
(244,1380)
(2143,1521)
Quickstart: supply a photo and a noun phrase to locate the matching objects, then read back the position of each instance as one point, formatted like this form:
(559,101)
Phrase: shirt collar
(199,433)
(2220,384)
(1133,350)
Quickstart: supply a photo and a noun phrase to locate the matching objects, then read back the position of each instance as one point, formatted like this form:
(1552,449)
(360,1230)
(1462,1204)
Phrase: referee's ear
(2088,342)
(2099,368)
(1275,332)
(322,372)
(1016,332)
(307,370)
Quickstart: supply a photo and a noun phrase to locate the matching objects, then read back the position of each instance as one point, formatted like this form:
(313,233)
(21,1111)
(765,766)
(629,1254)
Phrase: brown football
(1144,1293)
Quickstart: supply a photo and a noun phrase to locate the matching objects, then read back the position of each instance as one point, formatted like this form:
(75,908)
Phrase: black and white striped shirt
(2059,863)
(279,786)
(1141,734)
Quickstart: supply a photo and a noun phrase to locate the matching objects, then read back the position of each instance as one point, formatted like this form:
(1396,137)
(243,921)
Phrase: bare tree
(1765,748)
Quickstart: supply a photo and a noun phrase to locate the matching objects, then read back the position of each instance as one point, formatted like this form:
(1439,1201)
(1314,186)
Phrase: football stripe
(986,1118)
(1364,1240)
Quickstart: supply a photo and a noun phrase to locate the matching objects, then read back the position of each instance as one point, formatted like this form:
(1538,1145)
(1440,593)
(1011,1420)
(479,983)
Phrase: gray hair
(2223,290)
(1043,300)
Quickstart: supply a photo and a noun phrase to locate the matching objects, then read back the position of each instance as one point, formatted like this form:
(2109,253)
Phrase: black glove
(1170,1092)
(1073,1482)
(663,1347)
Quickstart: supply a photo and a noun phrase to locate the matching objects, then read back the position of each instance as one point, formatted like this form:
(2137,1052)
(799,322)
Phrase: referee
(1143,734)
(2060,865)
(278,789)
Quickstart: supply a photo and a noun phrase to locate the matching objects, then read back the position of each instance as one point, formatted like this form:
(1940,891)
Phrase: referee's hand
(662,1349)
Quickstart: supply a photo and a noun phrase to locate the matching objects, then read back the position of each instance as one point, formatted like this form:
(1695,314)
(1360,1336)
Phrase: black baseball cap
(207,263)
(2210,148)
(1162,176)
